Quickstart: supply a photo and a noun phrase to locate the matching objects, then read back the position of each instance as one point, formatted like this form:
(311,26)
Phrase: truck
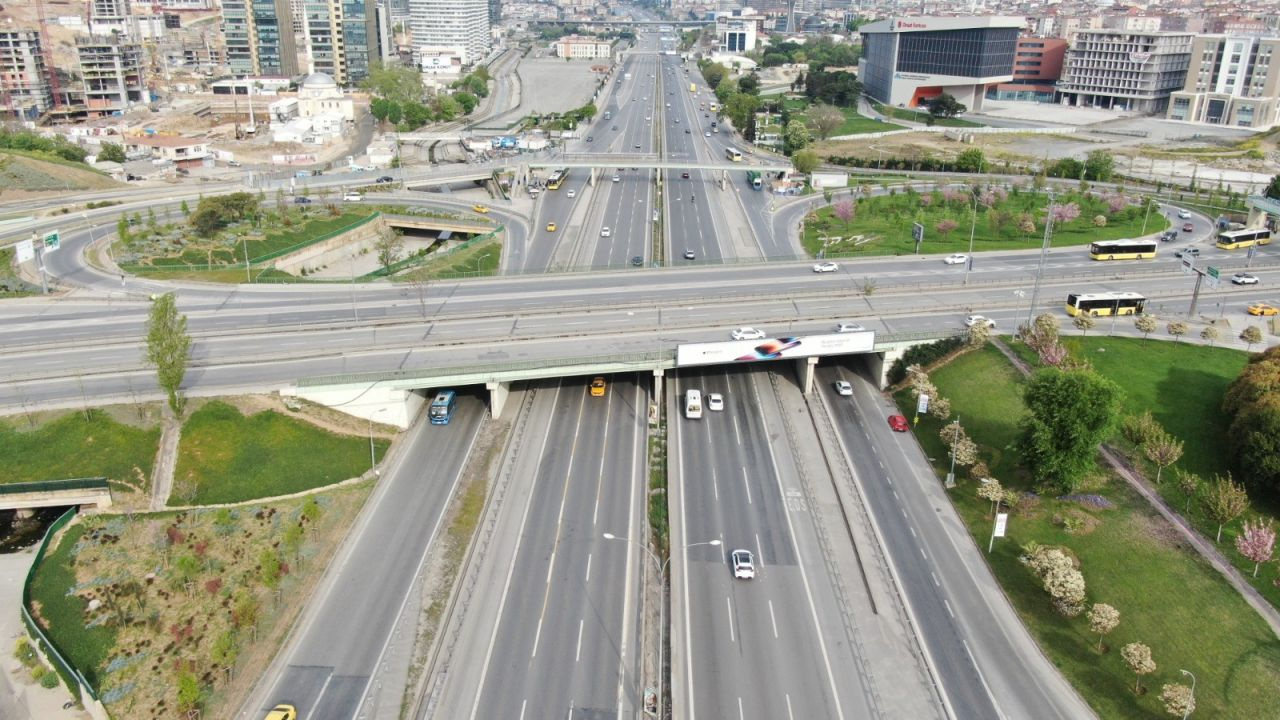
(753,177)
(608,115)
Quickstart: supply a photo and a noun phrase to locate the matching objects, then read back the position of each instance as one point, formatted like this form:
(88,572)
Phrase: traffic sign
(26,251)
(917,232)
(52,240)
(1188,266)
(922,404)
(1212,272)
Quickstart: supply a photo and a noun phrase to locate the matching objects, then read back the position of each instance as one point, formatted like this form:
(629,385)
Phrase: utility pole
(1044,256)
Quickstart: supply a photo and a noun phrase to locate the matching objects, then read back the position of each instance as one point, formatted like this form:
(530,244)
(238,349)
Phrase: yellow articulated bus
(1123,250)
(1105,303)
(1232,239)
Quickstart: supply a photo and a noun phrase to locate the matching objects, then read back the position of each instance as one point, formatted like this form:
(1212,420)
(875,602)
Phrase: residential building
(1240,25)
(1133,23)
(909,61)
(181,151)
(1233,80)
(575,46)
(735,35)
(24,80)
(112,72)
(1037,65)
(1125,70)
(341,38)
(111,16)
(446,24)
(259,38)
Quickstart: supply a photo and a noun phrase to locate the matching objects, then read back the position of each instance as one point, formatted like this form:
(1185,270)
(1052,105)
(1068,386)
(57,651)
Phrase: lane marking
(746,484)
(587,579)
(577,655)
(773,620)
(728,607)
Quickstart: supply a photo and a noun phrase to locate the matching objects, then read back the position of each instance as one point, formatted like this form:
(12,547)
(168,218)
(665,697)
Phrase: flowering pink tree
(843,210)
(926,200)
(1256,541)
(950,194)
(945,227)
(1053,354)
(1116,203)
(1065,213)
(993,196)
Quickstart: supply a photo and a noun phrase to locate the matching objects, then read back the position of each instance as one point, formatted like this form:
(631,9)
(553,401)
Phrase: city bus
(1123,250)
(441,410)
(1106,303)
(733,154)
(753,177)
(1232,239)
(556,179)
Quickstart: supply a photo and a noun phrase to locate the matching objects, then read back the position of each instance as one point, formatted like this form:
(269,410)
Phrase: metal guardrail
(96,483)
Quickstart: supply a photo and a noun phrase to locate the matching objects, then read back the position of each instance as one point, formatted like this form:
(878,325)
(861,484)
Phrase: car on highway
(843,387)
(715,401)
(1187,252)
(897,423)
(979,320)
(686,131)
(744,564)
(302,200)
(825,267)
(385,179)
(684,176)
(637,146)
(1184,214)
(690,255)
(1262,309)
(1169,235)
(482,209)
(956,259)
(551,227)
(233,163)
(1188,227)
(617,178)
(747,333)
(598,387)
(1244,279)
(283,711)
(590,138)
(849,327)
(605,232)
(637,261)
(352,196)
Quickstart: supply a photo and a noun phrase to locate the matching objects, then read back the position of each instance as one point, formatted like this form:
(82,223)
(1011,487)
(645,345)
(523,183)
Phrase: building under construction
(112,72)
(24,80)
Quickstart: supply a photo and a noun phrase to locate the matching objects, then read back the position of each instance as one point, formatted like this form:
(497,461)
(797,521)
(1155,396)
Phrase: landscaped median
(1128,557)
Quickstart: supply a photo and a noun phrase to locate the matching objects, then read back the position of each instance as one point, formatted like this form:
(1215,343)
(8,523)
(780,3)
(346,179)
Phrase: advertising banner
(690,354)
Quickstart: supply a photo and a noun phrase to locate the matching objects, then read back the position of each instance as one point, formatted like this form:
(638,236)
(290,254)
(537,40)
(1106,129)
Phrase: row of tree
(401,99)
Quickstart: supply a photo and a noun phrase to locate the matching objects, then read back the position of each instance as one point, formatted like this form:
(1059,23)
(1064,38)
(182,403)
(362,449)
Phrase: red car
(898,423)
(1188,227)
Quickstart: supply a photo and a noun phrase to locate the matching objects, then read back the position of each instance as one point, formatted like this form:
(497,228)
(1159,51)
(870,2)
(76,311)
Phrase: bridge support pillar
(879,363)
(498,392)
(656,405)
(804,369)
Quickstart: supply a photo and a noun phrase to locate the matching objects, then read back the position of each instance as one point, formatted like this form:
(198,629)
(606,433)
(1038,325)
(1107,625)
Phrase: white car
(979,320)
(1244,279)
(617,178)
(715,401)
(605,232)
(849,327)
(572,193)
(956,259)
(843,387)
(744,565)
(1184,214)
(707,133)
(747,333)
(825,267)
(352,197)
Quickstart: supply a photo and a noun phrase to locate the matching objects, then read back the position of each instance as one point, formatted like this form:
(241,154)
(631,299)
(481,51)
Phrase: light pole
(1044,255)
(373,461)
(973,226)
(955,437)
(1193,692)
(662,600)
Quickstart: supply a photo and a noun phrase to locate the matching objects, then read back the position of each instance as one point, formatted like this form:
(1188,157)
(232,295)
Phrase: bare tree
(1084,323)
(389,246)
(825,119)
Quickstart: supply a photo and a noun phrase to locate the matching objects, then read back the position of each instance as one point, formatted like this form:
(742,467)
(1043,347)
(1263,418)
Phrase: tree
(977,335)
(1146,325)
(714,73)
(844,210)
(389,246)
(1138,429)
(1162,450)
(169,347)
(1069,414)
(1252,335)
(111,152)
(1178,699)
(122,229)
(805,161)
(1099,166)
(269,567)
(1064,213)
(971,160)
(795,136)
(1273,188)
(1209,334)
(749,84)
(991,490)
(467,101)
(1103,619)
(741,109)
(825,119)
(1083,323)
(940,408)
(1256,542)
(1062,580)
(185,208)
(1252,405)
(1189,484)
(1177,329)
(1225,500)
(945,105)
(225,650)
(1138,657)
(396,83)
(945,227)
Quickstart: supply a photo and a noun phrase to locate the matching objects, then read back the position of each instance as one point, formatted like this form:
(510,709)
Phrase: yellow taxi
(551,227)
(598,387)
(283,712)
(1263,309)
(480,208)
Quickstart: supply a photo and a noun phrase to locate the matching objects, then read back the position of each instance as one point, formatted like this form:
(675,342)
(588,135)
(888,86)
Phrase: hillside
(21,176)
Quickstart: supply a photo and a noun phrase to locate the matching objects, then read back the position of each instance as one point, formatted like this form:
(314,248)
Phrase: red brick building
(1037,65)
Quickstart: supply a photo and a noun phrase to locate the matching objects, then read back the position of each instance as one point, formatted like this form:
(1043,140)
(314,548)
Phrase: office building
(112,72)
(1037,65)
(1233,80)
(909,61)
(24,80)
(1125,70)
(451,24)
(259,39)
(341,38)
(574,46)
(735,35)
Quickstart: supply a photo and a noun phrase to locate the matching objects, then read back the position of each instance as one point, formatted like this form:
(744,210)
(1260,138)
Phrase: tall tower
(462,25)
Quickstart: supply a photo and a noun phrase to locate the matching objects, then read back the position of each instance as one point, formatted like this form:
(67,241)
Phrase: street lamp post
(373,460)
(1193,691)
(973,226)
(951,476)
(662,601)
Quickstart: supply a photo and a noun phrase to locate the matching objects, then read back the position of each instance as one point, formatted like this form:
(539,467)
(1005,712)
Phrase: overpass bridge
(91,492)
(398,395)
(427,222)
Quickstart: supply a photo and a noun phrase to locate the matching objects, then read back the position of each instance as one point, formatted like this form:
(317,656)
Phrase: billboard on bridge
(773,348)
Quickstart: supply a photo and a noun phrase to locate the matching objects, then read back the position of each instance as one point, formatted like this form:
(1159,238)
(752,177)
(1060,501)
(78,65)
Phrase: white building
(735,35)
(445,24)
(577,47)
(319,95)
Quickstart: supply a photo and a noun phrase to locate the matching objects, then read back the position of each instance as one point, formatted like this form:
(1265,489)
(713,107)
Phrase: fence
(97,483)
(432,257)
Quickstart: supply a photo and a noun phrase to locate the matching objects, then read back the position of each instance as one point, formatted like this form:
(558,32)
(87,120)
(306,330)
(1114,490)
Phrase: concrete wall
(383,405)
(334,250)
(56,498)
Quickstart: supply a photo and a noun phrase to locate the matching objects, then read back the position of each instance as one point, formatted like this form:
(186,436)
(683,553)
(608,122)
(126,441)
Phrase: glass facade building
(976,53)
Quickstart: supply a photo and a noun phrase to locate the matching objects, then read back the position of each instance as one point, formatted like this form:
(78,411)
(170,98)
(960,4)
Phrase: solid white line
(728,611)
(715,486)
(773,620)
(746,485)
(523,704)
(536,636)
(790,714)
(638,442)
(577,655)
(741,716)
(587,579)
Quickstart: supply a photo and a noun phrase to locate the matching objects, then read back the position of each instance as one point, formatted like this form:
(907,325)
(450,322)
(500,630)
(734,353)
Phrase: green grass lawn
(922,117)
(62,614)
(481,259)
(856,124)
(1168,598)
(227,457)
(75,447)
(885,223)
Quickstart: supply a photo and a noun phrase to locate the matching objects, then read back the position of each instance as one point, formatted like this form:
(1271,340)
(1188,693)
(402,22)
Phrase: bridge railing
(414,260)
(96,483)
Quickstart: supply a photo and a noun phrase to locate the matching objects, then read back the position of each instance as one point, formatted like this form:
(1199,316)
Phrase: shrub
(1099,220)
(922,355)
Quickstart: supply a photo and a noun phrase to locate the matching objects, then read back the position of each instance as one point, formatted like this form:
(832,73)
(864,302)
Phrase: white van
(693,404)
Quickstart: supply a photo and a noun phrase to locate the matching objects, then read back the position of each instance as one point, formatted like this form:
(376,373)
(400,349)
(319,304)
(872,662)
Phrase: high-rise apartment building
(1125,70)
(1233,80)
(451,24)
(24,82)
(341,38)
(112,70)
(111,16)
(259,38)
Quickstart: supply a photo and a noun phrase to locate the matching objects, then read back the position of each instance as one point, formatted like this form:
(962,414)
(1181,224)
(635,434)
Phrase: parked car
(898,423)
(233,163)
(1244,279)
